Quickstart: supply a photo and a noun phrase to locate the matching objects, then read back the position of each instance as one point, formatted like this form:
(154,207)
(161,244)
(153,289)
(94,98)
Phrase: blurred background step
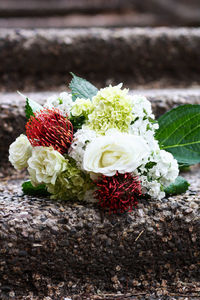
(13,119)
(23,13)
(142,57)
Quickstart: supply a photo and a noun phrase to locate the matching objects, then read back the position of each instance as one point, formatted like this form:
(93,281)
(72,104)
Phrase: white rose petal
(45,165)
(118,152)
(19,152)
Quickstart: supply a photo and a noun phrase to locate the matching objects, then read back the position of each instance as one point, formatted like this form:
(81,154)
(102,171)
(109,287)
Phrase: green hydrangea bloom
(112,109)
(81,107)
(70,184)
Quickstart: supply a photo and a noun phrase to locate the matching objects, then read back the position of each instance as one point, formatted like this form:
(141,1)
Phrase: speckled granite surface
(57,249)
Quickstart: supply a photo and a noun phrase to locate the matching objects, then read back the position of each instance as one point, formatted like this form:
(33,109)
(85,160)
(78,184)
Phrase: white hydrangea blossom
(162,173)
(77,149)
(143,125)
(63,102)
(166,168)
(141,106)
(153,188)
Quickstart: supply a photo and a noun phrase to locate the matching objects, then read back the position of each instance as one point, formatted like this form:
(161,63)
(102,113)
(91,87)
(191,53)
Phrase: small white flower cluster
(160,172)
(144,124)
(77,149)
(127,145)
(63,102)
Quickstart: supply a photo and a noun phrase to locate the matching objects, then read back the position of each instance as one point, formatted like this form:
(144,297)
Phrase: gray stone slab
(43,58)
(54,248)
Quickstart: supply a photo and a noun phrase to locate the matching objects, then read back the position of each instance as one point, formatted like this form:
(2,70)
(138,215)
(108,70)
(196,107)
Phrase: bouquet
(105,146)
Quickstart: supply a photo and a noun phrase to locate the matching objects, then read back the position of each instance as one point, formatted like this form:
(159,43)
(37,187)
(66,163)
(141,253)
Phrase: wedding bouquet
(105,146)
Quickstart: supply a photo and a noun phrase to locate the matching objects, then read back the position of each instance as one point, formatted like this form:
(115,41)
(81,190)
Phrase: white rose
(120,152)
(45,165)
(19,152)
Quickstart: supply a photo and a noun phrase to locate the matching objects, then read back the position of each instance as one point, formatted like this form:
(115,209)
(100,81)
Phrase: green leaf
(31,106)
(77,122)
(28,110)
(82,88)
(179,133)
(31,190)
(179,186)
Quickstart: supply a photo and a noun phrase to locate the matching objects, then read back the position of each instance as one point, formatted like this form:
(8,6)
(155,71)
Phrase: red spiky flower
(50,128)
(119,193)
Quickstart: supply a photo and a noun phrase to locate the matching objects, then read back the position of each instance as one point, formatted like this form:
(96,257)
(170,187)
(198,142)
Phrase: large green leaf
(178,187)
(82,88)
(179,133)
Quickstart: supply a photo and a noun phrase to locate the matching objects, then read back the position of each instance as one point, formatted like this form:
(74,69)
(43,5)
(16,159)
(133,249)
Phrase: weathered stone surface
(12,116)
(43,58)
(53,248)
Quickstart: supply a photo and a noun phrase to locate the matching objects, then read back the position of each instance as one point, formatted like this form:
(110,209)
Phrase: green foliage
(28,110)
(31,190)
(31,106)
(82,88)
(179,133)
(178,187)
(77,122)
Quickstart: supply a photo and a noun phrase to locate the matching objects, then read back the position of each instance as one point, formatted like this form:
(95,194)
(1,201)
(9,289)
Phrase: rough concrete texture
(12,116)
(42,57)
(57,249)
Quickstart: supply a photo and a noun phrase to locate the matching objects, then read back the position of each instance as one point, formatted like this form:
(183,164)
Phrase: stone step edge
(44,241)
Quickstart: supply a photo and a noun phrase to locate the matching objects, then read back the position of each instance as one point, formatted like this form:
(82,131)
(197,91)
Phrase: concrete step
(58,249)
(13,119)
(42,58)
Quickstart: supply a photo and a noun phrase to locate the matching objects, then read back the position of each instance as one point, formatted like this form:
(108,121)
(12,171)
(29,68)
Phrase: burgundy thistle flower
(50,128)
(119,193)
